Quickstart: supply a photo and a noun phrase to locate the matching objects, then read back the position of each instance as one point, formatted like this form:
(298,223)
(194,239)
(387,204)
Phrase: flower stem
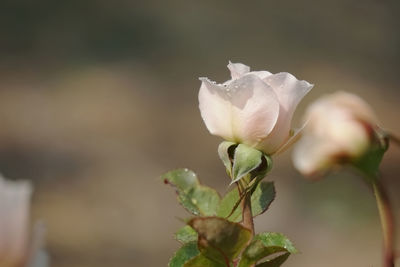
(247,213)
(387,222)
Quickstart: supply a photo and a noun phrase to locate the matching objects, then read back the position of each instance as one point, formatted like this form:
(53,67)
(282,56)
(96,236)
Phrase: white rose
(339,129)
(253,108)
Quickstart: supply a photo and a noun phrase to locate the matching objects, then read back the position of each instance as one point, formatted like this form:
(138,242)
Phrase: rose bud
(254,108)
(341,128)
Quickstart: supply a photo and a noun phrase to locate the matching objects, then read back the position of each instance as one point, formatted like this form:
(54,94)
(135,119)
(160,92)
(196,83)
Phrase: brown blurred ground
(98,99)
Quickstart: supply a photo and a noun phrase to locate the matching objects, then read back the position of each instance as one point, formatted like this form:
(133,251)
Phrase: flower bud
(341,128)
(253,108)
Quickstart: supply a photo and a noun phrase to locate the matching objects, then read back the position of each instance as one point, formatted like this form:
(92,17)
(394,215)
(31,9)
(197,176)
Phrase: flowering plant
(253,113)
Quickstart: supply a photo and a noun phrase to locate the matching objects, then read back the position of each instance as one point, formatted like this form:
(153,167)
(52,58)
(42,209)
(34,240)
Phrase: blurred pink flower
(338,129)
(254,108)
(14,222)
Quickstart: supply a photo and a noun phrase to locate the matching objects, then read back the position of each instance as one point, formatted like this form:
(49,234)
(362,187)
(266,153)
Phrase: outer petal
(293,138)
(349,135)
(244,111)
(215,109)
(313,156)
(238,69)
(14,218)
(354,105)
(255,109)
(290,91)
(317,152)
(262,74)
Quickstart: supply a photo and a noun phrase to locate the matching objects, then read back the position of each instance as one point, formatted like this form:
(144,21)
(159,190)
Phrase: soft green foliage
(223,152)
(185,253)
(196,198)
(261,199)
(182,179)
(186,234)
(246,159)
(276,239)
(203,261)
(223,241)
(275,262)
(220,239)
(370,161)
(263,245)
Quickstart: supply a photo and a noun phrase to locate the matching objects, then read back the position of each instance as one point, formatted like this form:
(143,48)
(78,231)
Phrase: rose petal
(313,156)
(255,109)
(354,105)
(244,111)
(215,109)
(262,74)
(293,138)
(290,92)
(238,69)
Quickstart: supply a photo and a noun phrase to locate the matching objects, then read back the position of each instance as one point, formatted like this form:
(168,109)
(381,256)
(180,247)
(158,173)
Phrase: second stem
(386,216)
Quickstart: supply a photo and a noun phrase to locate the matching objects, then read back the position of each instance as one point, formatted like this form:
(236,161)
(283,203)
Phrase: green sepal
(223,152)
(186,234)
(220,240)
(370,161)
(264,245)
(275,262)
(268,162)
(196,198)
(261,199)
(246,159)
(203,261)
(184,254)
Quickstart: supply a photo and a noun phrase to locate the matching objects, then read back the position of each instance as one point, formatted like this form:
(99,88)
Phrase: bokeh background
(99,98)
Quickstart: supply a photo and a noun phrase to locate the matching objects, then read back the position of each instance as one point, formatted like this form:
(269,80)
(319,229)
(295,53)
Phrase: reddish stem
(247,213)
(387,222)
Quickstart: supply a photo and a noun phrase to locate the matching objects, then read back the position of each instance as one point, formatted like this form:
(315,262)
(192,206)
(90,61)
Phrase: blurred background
(99,98)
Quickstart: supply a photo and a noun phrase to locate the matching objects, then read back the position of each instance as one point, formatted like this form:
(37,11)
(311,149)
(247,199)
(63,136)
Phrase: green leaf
(275,262)
(185,253)
(223,152)
(182,179)
(261,199)
(196,198)
(202,261)
(245,160)
(186,234)
(263,245)
(227,204)
(220,239)
(277,240)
